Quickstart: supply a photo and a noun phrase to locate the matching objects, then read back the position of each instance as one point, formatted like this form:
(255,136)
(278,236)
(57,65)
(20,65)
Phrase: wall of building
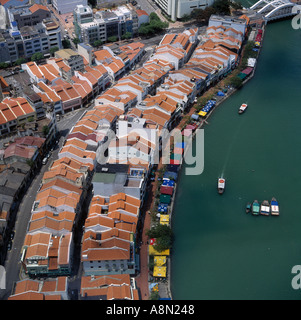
(176,9)
(67,6)
(104,267)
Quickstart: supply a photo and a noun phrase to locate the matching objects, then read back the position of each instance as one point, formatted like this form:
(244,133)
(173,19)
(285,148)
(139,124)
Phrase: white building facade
(66,6)
(176,9)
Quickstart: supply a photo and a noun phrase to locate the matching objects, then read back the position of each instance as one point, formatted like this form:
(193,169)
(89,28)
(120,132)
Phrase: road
(12,263)
(62,24)
(148,6)
(69,119)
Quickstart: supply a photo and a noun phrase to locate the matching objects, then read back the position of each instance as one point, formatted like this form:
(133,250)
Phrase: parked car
(9,245)
(44,161)
(12,235)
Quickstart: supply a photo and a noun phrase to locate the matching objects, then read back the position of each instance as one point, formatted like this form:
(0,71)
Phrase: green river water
(220,252)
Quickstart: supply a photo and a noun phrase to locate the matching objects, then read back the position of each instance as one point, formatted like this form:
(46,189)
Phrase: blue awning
(162,207)
(180,145)
(168,183)
(170,175)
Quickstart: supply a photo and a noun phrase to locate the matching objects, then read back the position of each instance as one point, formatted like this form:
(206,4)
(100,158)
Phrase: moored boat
(221,185)
(242,108)
(265,208)
(255,208)
(248,207)
(274,207)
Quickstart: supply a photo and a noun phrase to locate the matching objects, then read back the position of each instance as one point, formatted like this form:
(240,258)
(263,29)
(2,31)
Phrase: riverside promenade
(143,279)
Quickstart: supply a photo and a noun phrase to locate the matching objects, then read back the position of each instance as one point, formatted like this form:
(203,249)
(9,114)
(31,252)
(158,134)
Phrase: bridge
(275,9)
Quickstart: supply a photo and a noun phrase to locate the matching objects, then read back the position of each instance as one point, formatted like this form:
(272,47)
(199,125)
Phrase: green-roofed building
(165,198)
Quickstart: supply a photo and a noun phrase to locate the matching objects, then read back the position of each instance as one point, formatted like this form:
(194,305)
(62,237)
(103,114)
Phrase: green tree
(127,35)
(151,262)
(203,15)
(163,243)
(3,65)
(45,130)
(76,41)
(155,25)
(222,6)
(236,82)
(37,56)
(153,17)
(53,50)
(66,44)
(163,235)
(186,17)
(154,295)
(97,43)
(248,50)
(143,29)
(20,61)
(112,39)
(159,231)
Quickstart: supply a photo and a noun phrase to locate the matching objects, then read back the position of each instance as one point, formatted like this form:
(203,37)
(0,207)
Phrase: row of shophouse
(21,156)
(70,80)
(112,149)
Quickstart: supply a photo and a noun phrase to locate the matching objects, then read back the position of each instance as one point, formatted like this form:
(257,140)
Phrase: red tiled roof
(36,7)
(19,151)
(141,13)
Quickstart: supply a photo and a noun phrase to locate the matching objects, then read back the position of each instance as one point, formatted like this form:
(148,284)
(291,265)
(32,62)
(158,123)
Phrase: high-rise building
(28,15)
(104,24)
(23,42)
(176,9)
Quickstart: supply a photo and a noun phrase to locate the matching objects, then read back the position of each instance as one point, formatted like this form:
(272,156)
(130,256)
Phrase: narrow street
(12,263)
(142,278)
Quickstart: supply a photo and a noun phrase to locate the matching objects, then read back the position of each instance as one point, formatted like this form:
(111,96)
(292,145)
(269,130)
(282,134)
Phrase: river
(219,251)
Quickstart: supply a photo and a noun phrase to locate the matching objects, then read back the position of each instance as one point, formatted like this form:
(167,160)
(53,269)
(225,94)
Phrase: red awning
(174,161)
(248,71)
(166,190)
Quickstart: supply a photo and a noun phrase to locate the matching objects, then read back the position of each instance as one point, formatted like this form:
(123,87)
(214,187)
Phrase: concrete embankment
(230,92)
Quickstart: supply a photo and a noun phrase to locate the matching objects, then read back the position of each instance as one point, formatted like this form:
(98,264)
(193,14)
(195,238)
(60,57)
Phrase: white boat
(274,207)
(265,208)
(221,185)
(242,108)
